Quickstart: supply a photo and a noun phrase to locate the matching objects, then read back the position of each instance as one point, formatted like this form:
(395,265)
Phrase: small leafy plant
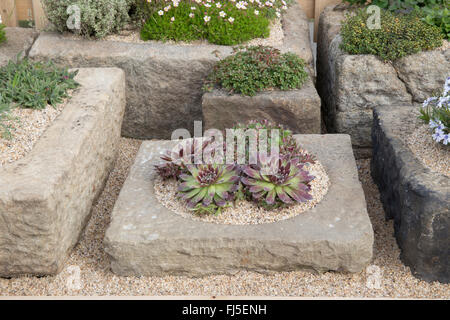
(399,35)
(257,68)
(34,84)
(208,188)
(435,112)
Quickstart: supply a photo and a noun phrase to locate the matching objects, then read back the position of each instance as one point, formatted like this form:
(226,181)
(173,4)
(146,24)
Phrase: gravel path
(96,279)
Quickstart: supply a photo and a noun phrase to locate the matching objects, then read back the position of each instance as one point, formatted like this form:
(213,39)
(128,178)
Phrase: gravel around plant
(432,155)
(97,280)
(26,127)
(245,212)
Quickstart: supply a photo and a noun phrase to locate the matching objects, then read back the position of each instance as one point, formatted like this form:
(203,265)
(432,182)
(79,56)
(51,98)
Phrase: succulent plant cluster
(272,182)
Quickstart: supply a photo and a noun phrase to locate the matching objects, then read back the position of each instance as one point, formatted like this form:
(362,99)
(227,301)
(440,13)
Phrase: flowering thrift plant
(435,112)
(225,22)
(208,188)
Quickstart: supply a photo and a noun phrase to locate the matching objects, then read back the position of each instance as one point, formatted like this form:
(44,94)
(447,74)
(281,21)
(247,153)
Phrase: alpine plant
(209,188)
(287,185)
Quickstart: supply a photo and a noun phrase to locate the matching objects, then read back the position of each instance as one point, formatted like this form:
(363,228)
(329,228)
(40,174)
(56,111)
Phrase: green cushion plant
(433,12)
(219,22)
(258,68)
(399,35)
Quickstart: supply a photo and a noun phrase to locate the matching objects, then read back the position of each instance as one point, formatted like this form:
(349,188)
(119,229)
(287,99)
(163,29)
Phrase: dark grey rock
(415,197)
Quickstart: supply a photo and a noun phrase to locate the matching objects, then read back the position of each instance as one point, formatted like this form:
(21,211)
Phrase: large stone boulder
(146,238)
(46,197)
(164,81)
(352,85)
(19,42)
(417,198)
(298,110)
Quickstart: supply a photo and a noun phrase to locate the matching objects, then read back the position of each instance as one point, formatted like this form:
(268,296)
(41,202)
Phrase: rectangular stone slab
(145,238)
(46,197)
(297,110)
(164,81)
(415,197)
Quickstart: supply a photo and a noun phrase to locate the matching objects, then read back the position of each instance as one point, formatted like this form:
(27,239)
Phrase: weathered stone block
(417,198)
(46,197)
(297,110)
(145,238)
(164,81)
(19,41)
(352,85)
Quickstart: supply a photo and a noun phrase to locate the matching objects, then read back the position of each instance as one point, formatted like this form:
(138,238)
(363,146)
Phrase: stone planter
(46,197)
(352,85)
(146,238)
(415,197)
(297,110)
(19,41)
(164,81)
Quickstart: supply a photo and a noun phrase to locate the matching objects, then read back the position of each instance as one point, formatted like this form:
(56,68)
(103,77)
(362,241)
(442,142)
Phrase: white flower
(256,12)
(172,19)
(207,5)
(191,15)
(222,14)
(167,8)
(206,18)
(284,7)
(231,19)
(193,8)
(160,12)
(175,3)
(218,5)
(278,14)
(269,4)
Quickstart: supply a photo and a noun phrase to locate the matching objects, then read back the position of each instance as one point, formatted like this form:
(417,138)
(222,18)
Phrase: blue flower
(447,86)
(443,101)
(434,124)
(438,135)
(428,101)
(446,139)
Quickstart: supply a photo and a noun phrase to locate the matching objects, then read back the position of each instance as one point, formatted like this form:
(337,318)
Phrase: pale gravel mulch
(245,212)
(275,37)
(96,279)
(27,126)
(432,155)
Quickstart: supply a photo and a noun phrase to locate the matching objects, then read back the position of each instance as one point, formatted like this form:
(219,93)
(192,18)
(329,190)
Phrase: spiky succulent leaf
(208,186)
(288,184)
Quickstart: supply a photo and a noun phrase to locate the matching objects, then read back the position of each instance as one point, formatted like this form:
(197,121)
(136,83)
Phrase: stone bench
(46,197)
(145,238)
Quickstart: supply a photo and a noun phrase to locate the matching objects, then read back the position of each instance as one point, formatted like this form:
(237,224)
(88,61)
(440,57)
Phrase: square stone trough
(46,197)
(417,198)
(164,81)
(145,238)
(298,110)
(352,85)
